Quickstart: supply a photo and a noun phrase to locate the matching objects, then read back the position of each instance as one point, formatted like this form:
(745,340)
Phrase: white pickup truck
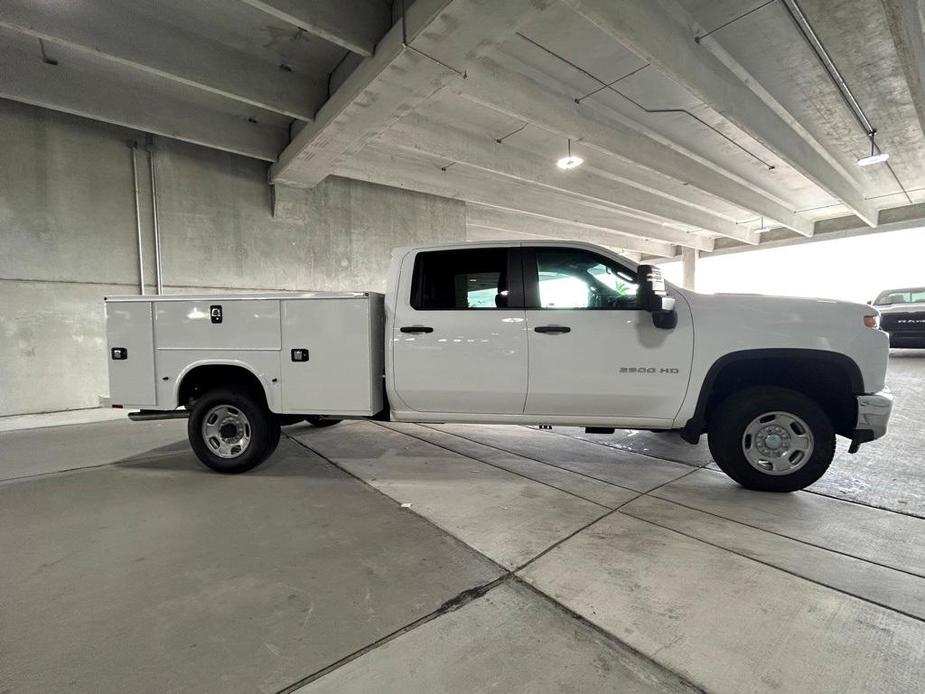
(550,333)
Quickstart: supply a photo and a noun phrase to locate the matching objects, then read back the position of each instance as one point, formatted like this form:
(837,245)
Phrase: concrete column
(689,258)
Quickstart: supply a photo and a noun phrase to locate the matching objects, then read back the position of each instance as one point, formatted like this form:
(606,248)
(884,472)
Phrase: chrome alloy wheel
(226,431)
(777,443)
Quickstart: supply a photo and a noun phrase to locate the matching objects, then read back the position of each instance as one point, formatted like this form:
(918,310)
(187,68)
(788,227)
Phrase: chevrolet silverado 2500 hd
(555,333)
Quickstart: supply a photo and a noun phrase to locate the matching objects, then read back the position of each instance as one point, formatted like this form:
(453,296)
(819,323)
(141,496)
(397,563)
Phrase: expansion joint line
(460,73)
(699,37)
(408,46)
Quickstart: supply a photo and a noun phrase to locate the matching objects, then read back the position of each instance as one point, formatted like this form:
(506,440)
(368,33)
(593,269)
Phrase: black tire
(319,421)
(728,426)
(260,425)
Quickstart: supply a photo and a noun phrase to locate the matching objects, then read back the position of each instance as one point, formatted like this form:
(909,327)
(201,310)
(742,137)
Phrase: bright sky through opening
(851,269)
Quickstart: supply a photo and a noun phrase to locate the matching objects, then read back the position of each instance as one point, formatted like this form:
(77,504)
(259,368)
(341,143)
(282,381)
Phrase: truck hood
(727,323)
(918,307)
(778,310)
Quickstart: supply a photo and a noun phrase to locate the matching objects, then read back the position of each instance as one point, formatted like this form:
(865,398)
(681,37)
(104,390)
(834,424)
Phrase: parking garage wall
(68,238)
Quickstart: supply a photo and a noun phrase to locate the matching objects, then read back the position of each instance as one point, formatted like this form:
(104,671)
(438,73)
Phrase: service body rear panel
(130,350)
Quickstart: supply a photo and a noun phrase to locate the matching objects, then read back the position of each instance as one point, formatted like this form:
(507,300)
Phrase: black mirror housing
(651,288)
(653,297)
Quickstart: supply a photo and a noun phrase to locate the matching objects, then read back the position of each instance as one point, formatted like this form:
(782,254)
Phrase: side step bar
(599,430)
(149,415)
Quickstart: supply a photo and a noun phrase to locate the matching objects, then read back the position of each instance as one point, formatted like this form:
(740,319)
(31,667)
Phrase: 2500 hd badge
(646,370)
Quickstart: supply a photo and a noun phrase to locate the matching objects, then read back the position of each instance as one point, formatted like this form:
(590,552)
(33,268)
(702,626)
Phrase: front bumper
(873,416)
(907,338)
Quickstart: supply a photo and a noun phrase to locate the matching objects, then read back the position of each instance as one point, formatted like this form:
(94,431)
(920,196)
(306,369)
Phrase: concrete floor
(405,558)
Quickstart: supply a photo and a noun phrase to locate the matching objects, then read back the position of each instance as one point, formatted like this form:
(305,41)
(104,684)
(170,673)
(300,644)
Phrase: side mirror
(653,297)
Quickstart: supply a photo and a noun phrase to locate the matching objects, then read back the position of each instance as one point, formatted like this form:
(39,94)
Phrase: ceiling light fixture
(874,158)
(570,162)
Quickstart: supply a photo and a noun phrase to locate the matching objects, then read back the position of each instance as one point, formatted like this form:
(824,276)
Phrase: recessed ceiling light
(570,162)
(873,159)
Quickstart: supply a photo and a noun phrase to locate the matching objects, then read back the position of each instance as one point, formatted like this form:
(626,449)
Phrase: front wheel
(231,431)
(771,439)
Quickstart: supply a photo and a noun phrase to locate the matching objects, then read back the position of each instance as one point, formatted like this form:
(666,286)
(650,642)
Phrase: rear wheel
(231,431)
(771,439)
(319,421)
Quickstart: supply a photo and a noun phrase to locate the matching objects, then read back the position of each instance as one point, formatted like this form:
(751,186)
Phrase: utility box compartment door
(331,357)
(130,353)
(217,323)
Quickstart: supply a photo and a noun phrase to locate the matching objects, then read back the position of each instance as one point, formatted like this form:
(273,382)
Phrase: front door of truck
(593,352)
(458,345)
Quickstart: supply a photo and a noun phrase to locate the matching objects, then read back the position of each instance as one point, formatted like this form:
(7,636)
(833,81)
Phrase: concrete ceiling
(701,122)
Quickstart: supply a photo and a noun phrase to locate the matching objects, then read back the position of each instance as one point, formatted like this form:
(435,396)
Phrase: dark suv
(903,316)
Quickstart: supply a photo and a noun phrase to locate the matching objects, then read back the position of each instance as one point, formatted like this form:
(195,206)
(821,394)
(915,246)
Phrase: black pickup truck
(903,316)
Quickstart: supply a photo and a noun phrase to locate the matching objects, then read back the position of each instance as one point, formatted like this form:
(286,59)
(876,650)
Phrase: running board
(150,415)
(599,430)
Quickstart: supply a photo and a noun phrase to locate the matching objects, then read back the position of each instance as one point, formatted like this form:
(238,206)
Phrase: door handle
(552,329)
(416,329)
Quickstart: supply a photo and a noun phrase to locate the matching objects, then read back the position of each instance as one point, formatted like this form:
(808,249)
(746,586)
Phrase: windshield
(900,296)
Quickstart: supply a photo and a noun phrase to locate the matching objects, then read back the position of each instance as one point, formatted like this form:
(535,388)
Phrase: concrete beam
(356,26)
(421,53)
(663,33)
(477,233)
(905,20)
(77,86)
(521,97)
(168,52)
(521,224)
(379,164)
(891,219)
(418,134)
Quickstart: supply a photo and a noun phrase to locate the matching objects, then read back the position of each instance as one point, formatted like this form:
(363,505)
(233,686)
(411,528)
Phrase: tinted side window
(572,278)
(460,279)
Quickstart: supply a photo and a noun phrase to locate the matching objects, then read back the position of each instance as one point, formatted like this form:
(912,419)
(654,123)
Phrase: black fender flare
(696,425)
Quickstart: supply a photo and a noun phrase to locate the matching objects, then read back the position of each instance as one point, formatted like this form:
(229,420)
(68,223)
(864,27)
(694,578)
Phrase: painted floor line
(774,566)
(705,466)
(379,491)
(468,596)
(614,448)
(499,467)
(536,460)
(788,537)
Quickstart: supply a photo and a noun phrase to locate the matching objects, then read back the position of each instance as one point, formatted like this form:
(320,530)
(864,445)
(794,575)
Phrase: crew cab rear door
(593,351)
(458,338)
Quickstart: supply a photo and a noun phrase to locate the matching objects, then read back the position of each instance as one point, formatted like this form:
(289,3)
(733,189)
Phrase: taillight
(872,321)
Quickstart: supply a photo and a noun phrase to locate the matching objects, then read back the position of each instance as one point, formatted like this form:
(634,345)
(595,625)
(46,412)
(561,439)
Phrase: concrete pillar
(689,258)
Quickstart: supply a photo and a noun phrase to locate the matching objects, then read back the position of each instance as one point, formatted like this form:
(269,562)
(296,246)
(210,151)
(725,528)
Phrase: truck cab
(540,332)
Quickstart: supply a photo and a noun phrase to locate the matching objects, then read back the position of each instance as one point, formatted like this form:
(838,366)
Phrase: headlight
(872,321)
